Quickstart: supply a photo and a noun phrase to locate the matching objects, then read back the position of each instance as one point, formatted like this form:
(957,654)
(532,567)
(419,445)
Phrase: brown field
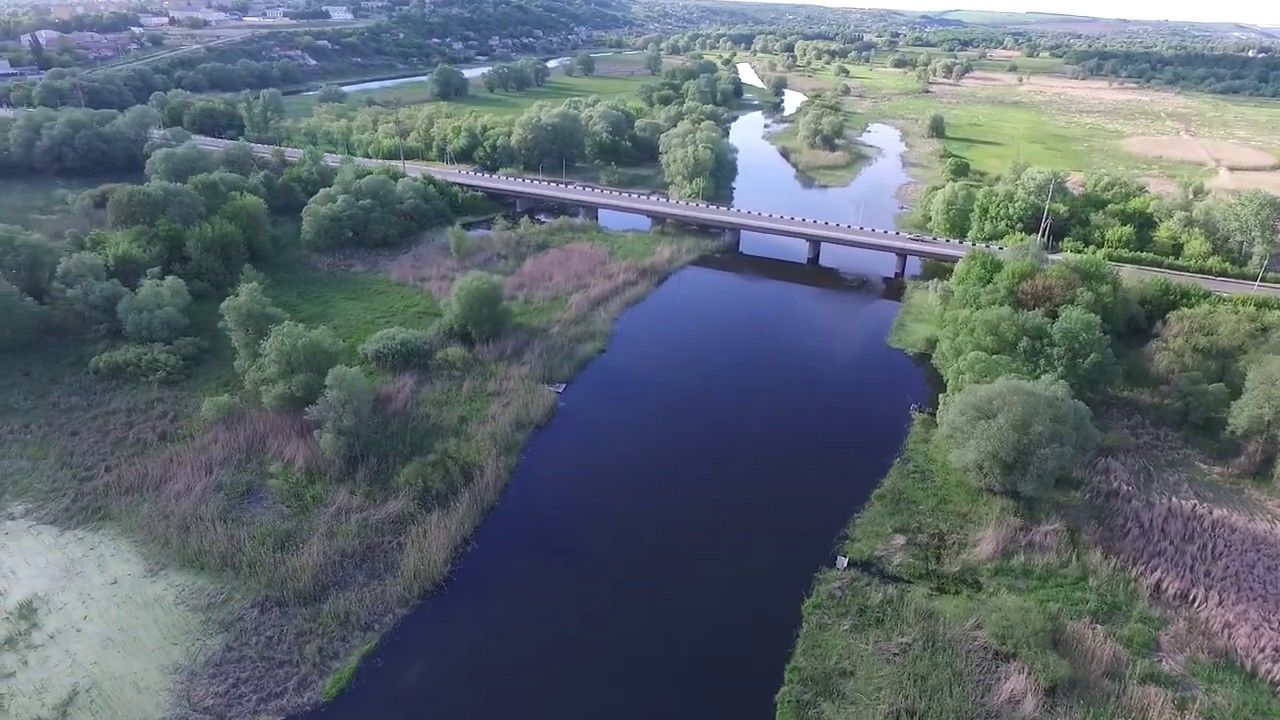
(1202,151)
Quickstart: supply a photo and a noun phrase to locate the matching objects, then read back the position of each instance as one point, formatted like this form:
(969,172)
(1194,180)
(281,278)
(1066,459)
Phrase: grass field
(995,119)
(615,75)
(41,202)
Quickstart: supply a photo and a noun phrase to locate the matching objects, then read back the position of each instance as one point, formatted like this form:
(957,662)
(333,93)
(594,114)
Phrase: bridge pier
(589,213)
(900,270)
(815,252)
(732,236)
(656,223)
(524,204)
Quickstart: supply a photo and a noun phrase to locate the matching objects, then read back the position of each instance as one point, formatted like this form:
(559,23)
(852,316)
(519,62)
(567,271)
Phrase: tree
(476,310)
(331,94)
(1081,352)
(248,317)
(343,411)
(936,127)
(1016,436)
(81,280)
(585,63)
(697,161)
(777,83)
(292,364)
(548,136)
(156,312)
(1256,414)
(950,208)
(215,254)
(821,128)
(180,164)
(27,262)
(448,83)
(653,62)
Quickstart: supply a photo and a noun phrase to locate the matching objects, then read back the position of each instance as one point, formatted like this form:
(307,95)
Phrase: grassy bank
(828,168)
(320,556)
(963,603)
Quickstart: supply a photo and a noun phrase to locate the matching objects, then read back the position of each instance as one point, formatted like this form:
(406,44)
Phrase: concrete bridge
(729,220)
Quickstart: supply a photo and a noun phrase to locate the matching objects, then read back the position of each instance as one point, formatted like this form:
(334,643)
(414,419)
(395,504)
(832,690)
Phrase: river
(654,547)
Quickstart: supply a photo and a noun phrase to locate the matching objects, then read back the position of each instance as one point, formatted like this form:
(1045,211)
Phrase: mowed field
(997,118)
(615,75)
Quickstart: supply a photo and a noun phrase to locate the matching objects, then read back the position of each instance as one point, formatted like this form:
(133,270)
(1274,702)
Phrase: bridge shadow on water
(797,273)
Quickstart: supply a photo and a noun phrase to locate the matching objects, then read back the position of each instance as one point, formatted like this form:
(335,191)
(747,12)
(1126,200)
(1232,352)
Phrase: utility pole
(1042,236)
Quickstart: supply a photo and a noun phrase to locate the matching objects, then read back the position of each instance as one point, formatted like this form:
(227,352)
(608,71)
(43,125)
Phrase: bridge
(728,220)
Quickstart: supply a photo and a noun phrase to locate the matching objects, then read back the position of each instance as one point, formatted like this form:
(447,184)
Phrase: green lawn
(353,305)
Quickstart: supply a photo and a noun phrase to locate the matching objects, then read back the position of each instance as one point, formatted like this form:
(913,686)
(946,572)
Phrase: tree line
(1108,215)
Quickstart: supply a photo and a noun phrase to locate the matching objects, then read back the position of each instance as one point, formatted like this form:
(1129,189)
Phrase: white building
(338,12)
(153,21)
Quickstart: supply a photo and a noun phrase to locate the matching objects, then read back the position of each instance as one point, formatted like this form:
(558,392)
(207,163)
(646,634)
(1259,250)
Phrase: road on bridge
(723,217)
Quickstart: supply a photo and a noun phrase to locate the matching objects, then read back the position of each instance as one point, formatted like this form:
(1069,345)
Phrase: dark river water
(652,552)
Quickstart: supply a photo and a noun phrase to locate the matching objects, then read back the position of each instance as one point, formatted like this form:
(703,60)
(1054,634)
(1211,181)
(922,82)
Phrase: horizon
(1229,11)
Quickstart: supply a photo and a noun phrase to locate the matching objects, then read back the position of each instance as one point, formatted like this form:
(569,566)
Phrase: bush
(156,313)
(437,478)
(290,371)
(1016,436)
(141,361)
(343,411)
(331,94)
(398,348)
(459,241)
(476,311)
(218,408)
(454,358)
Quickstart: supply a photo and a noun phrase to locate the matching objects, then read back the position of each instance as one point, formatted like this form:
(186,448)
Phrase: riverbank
(322,559)
(962,603)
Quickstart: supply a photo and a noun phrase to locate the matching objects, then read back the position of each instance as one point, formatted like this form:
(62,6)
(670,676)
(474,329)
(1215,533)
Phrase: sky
(1258,12)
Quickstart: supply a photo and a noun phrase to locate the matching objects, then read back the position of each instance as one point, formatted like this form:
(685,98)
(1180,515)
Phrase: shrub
(459,241)
(331,94)
(156,312)
(435,479)
(476,311)
(1016,436)
(141,361)
(218,408)
(27,261)
(454,358)
(956,169)
(398,348)
(290,371)
(343,411)
(247,318)
(936,127)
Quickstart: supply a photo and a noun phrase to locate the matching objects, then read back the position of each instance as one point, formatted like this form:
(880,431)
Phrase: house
(338,12)
(153,21)
(275,13)
(212,17)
